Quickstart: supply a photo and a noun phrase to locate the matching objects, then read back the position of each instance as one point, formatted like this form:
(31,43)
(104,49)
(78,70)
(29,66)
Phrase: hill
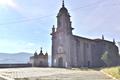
(21,57)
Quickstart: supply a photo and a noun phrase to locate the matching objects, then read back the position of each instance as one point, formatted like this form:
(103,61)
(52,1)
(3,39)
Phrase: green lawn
(113,71)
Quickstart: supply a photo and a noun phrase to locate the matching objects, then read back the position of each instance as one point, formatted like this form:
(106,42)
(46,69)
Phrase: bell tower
(63,20)
(61,37)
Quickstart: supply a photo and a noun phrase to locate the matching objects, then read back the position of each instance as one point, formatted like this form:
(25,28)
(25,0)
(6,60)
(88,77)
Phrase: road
(52,74)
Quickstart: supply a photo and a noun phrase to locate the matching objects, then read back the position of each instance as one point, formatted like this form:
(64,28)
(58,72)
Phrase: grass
(113,71)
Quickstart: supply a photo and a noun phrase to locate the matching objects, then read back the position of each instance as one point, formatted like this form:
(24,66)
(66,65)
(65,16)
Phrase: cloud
(12,46)
(103,19)
(30,44)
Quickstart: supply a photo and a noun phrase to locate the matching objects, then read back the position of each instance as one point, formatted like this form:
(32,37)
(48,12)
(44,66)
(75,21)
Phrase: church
(69,50)
(39,60)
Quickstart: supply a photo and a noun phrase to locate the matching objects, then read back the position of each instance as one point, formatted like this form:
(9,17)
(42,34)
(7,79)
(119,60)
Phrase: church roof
(82,37)
(97,40)
(103,40)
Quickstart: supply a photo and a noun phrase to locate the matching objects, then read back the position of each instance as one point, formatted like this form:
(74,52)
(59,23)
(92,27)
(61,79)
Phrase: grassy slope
(113,71)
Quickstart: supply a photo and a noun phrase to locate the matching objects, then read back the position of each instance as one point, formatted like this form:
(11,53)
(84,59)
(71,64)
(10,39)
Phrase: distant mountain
(21,57)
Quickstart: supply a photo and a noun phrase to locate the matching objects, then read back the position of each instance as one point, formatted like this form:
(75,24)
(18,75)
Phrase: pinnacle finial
(35,51)
(41,50)
(35,54)
(53,26)
(53,29)
(113,40)
(46,52)
(63,3)
(102,37)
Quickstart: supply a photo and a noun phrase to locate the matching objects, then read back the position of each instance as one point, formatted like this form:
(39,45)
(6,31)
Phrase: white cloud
(12,46)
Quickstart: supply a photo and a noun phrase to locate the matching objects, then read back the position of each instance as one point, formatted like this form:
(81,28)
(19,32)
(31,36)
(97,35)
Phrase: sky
(25,25)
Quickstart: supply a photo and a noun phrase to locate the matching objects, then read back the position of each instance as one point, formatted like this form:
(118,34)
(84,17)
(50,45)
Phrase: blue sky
(25,25)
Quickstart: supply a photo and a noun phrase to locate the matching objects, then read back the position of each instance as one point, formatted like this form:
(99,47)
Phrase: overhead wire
(21,20)
(24,20)
(88,5)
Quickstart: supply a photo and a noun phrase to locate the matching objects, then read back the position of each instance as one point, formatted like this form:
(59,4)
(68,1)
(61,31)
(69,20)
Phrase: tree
(106,58)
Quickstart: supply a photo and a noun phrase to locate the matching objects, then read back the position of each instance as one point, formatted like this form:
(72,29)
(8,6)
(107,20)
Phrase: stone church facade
(69,50)
(39,60)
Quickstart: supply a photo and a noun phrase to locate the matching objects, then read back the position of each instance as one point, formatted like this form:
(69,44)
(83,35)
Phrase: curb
(108,75)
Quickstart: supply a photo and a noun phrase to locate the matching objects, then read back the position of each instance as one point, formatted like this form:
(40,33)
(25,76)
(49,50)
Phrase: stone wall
(14,65)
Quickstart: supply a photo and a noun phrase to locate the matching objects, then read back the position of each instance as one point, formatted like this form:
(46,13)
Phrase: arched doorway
(60,62)
(41,64)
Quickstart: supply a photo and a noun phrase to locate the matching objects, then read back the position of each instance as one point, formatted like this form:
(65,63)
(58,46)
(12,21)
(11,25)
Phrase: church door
(41,64)
(60,62)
